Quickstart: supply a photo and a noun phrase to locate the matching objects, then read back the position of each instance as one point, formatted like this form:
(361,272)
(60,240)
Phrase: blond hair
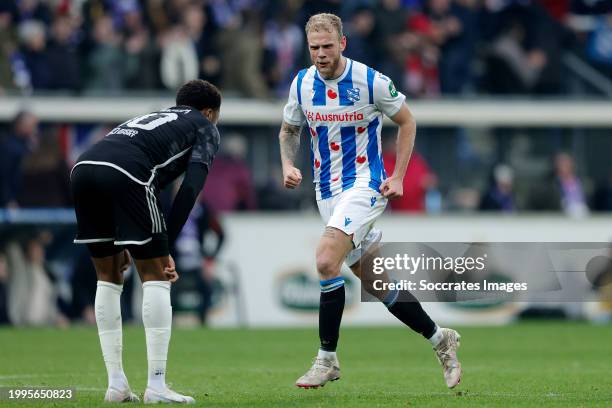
(325,22)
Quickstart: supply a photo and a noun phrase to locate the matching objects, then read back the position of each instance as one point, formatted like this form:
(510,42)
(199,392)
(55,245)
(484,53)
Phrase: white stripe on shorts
(151,210)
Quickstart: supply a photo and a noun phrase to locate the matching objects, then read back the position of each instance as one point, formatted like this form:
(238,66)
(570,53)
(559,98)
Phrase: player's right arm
(289,138)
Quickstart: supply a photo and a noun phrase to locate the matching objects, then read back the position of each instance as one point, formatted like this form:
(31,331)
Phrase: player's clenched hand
(292,177)
(170,270)
(392,188)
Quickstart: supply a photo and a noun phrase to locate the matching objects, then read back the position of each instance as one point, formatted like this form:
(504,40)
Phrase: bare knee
(110,268)
(331,252)
(115,277)
(151,269)
(328,265)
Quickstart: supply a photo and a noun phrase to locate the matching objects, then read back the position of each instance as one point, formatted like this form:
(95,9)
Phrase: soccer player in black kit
(116,185)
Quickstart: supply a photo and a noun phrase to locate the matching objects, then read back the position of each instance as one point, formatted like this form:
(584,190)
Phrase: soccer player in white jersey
(342,102)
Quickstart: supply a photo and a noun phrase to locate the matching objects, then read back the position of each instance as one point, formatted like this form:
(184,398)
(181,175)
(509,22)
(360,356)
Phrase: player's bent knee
(327,266)
(152,269)
(108,268)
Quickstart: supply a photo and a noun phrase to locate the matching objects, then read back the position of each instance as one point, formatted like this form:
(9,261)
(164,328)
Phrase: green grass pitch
(522,365)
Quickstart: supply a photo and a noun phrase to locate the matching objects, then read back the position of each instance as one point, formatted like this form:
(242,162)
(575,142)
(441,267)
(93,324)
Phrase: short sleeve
(386,97)
(292,114)
(206,146)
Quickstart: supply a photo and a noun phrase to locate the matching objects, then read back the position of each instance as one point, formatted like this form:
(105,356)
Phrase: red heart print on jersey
(313,132)
(361,129)
(317,163)
(331,94)
(335,179)
(361,159)
(334,146)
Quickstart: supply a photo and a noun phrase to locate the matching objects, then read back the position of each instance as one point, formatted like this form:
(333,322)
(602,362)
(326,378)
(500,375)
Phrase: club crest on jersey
(352,94)
(372,201)
(347,221)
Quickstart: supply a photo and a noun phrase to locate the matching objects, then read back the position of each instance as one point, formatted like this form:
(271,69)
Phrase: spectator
(141,53)
(421,74)
(425,46)
(562,192)
(229,186)
(45,176)
(7,48)
(63,58)
(33,298)
(200,31)
(312,7)
(361,37)
(14,148)
(600,44)
(511,68)
(105,60)
(573,201)
(499,195)
(240,45)
(418,180)
(391,20)
(283,44)
(453,30)
(34,53)
(34,10)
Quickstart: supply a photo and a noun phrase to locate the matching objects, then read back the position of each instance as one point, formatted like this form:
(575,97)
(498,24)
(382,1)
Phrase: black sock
(408,310)
(331,307)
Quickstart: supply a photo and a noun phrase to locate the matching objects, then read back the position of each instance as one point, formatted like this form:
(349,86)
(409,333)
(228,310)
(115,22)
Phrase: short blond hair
(325,22)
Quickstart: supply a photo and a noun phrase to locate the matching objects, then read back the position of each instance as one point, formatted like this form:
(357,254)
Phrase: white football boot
(446,352)
(115,395)
(322,371)
(166,396)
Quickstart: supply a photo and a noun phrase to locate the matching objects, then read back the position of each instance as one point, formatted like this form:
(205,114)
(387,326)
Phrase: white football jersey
(344,116)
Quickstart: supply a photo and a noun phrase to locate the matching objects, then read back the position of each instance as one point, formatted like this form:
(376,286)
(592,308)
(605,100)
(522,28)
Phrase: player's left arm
(202,156)
(392,187)
(192,184)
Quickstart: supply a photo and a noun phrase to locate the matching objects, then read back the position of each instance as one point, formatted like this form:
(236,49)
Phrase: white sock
(157,319)
(108,318)
(328,355)
(437,337)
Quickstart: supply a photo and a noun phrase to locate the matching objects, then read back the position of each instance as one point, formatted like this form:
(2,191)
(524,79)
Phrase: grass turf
(523,365)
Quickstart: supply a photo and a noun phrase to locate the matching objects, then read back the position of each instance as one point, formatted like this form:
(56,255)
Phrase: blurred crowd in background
(254,48)
(451,169)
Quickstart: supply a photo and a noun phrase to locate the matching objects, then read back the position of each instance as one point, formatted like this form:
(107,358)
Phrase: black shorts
(115,212)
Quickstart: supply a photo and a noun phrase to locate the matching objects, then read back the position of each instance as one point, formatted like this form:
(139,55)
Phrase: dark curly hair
(199,94)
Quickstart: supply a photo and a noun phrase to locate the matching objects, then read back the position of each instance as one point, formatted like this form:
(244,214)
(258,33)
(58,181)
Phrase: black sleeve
(194,180)
(206,145)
